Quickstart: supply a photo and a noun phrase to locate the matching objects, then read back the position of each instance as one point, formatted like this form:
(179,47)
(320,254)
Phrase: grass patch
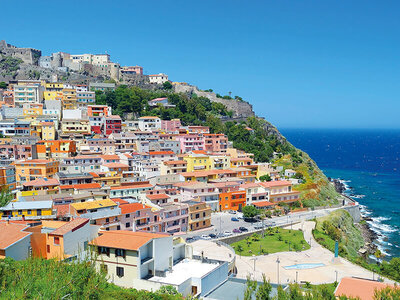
(275,240)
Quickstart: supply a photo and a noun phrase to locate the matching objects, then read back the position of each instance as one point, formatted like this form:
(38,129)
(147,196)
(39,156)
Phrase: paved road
(221,221)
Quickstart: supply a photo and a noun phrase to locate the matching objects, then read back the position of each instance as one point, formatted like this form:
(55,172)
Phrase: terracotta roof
(241,159)
(275,183)
(85,186)
(157,196)
(362,289)
(128,240)
(160,152)
(133,186)
(109,156)
(95,175)
(62,209)
(249,185)
(132,207)
(42,182)
(70,226)
(175,162)
(262,203)
(11,233)
(116,165)
(120,201)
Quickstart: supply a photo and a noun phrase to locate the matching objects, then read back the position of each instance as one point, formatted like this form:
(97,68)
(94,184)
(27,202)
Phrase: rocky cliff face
(241,109)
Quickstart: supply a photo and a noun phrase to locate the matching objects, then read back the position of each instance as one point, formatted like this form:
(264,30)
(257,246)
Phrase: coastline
(369,235)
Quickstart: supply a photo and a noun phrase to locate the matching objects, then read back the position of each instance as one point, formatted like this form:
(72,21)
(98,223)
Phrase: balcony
(146,260)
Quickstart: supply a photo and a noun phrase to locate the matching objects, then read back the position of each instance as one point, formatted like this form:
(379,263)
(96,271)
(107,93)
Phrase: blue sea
(368,162)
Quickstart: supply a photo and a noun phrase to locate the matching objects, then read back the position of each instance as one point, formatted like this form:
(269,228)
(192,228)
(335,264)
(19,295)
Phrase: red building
(111,124)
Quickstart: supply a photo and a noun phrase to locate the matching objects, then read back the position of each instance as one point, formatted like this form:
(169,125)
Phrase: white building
(149,123)
(29,93)
(158,78)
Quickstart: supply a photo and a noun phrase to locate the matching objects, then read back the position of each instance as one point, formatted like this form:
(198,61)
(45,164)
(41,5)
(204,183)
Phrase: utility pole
(278,261)
(336,275)
(297,273)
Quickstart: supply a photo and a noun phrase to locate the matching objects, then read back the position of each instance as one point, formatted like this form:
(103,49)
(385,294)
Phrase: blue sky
(331,64)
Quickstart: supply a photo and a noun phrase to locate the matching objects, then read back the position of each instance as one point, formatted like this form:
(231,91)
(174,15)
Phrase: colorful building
(111,124)
(28,170)
(234,200)
(32,210)
(199,215)
(54,149)
(197,162)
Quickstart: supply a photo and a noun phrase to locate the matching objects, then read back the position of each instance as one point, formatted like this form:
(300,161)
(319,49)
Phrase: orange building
(234,200)
(54,149)
(7,178)
(28,170)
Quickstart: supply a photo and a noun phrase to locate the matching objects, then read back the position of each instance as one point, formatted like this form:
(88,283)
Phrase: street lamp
(278,262)
(297,273)
(336,275)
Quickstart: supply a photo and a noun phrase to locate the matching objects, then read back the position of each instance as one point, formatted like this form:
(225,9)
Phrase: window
(120,252)
(120,272)
(56,240)
(104,250)
(29,211)
(48,248)
(127,225)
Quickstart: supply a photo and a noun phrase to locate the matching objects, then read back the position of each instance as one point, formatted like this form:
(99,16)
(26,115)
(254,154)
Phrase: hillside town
(155,202)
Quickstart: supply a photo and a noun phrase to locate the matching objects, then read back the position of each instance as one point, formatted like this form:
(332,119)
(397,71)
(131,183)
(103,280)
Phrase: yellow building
(48,131)
(28,170)
(53,95)
(33,110)
(30,209)
(72,126)
(54,86)
(107,178)
(198,162)
(69,100)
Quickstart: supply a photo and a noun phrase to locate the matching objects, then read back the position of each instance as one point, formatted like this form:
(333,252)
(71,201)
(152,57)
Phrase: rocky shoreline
(368,234)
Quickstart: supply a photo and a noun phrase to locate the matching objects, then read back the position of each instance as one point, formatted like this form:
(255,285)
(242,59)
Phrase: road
(221,221)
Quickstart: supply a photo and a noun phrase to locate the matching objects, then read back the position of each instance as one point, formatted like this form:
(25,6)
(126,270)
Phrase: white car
(205,237)
(227,233)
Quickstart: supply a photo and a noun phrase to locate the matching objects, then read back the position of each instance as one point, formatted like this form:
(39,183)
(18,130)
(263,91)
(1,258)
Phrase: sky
(301,64)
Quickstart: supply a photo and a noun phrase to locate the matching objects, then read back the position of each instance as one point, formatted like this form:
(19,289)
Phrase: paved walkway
(333,269)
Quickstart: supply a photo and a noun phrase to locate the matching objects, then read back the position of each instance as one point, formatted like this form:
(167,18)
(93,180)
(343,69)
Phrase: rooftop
(27,205)
(362,289)
(184,270)
(10,233)
(93,204)
(70,226)
(127,240)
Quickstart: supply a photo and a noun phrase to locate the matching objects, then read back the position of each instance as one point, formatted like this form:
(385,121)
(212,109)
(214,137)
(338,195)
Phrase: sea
(368,163)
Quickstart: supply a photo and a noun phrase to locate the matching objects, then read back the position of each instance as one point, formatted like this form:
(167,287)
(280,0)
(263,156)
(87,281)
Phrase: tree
(265,177)
(255,237)
(3,85)
(167,85)
(168,289)
(250,211)
(5,197)
(264,290)
(239,248)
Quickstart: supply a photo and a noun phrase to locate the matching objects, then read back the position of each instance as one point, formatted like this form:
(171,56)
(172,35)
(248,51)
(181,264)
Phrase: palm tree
(239,249)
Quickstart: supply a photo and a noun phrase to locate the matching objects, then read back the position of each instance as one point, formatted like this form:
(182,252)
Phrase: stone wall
(28,55)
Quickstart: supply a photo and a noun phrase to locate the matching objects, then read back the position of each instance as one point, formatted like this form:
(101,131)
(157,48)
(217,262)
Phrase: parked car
(212,235)
(233,212)
(189,240)
(205,237)
(227,233)
(243,229)
(239,215)
(236,230)
(234,219)
(258,225)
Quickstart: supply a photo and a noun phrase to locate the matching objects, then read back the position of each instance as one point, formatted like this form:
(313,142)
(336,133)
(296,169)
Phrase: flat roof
(28,205)
(186,269)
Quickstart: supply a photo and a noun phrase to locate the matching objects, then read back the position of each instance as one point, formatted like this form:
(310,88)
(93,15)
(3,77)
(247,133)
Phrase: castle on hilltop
(28,55)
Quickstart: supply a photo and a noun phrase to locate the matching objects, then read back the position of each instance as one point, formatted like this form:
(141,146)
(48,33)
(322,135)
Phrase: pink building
(175,217)
(137,216)
(171,125)
(132,70)
(215,142)
(199,129)
(16,151)
(190,142)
